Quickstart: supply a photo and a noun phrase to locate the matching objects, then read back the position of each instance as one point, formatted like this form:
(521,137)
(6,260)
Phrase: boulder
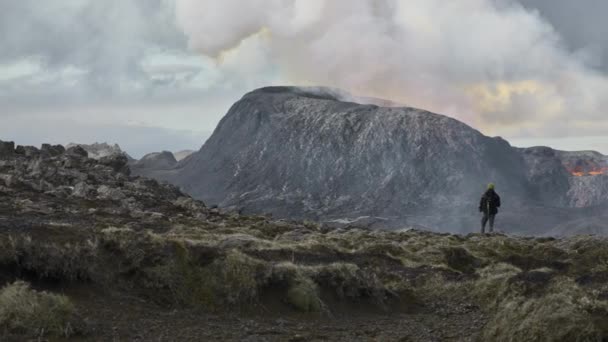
(106,192)
(77,151)
(27,151)
(118,163)
(188,203)
(52,150)
(99,150)
(82,190)
(7,180)
(7,149)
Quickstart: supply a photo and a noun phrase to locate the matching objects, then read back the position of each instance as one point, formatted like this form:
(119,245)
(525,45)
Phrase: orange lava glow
(578,172)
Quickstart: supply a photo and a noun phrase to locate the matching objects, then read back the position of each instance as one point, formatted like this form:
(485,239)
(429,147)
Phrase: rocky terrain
(307,154)
(151,165)
(89,252)
(100,150)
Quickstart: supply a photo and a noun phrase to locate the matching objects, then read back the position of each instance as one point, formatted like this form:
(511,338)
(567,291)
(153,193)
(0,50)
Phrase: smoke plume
(492,63)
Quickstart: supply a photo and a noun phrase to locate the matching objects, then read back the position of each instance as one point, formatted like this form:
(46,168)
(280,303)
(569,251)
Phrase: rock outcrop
(68,185)
(100,150)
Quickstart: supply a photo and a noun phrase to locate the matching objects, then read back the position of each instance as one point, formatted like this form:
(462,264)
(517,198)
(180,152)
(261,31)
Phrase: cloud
(136,140)
(121,71)
(582,25)
(519,70)
(494,64)
(106,40)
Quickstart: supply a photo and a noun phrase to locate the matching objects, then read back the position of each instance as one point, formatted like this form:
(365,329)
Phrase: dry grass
(563,313)
(36,314)
(524,285)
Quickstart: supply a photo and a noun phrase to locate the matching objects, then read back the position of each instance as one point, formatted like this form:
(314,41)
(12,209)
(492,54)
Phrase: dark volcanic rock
(118,162)
(52,150)
(65,185)
(77,151)
(7,149)
(100,150)
(27,151)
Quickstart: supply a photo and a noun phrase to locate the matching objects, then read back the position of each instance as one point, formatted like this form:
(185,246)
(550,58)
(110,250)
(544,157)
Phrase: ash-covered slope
(305,154)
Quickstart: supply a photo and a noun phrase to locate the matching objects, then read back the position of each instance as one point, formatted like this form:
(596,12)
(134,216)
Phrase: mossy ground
(527,288)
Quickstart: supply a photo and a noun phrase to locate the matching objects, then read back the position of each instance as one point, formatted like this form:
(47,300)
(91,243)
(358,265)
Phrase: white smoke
(491,63)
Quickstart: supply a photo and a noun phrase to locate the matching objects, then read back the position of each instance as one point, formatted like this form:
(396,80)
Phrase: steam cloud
(494,64)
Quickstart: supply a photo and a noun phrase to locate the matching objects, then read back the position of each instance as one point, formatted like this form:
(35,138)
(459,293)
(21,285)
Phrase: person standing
(489,204)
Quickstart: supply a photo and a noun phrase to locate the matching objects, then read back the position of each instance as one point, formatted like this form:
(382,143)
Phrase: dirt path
(112,316)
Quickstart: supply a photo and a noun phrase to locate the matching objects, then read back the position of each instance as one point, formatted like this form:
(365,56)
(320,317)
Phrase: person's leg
(484,221)
(492,217)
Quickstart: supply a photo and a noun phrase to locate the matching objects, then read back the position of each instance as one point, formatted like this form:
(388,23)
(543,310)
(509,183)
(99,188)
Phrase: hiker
(489,204)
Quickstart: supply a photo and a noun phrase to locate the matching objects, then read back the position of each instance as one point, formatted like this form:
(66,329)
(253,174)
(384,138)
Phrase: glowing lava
(596,171)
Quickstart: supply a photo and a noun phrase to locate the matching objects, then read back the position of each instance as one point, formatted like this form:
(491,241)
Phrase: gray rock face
(588,191)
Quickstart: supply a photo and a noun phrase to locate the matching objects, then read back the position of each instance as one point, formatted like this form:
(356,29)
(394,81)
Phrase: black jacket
(490,202)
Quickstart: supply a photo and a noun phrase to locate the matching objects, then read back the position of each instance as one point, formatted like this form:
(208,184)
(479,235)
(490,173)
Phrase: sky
(156,75)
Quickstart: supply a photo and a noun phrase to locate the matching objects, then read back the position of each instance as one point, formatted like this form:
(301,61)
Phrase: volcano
(304,153)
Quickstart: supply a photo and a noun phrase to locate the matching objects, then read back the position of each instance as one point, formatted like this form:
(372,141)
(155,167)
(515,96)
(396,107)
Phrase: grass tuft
(36,314)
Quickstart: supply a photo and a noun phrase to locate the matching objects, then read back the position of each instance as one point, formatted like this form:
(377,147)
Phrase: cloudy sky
(159,74)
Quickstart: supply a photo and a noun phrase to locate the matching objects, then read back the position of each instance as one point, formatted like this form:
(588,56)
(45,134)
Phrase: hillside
(111,256)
